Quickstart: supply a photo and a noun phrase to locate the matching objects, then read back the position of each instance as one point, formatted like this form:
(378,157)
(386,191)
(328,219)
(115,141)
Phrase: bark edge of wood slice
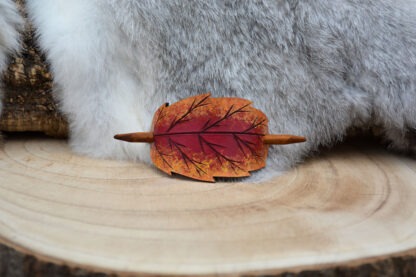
(350,207)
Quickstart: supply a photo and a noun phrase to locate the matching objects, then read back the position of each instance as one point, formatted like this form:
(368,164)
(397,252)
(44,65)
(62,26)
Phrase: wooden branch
(28,101)
(349,212)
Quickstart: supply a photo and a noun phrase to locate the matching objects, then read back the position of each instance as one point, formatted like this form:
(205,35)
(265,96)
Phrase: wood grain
(352,205)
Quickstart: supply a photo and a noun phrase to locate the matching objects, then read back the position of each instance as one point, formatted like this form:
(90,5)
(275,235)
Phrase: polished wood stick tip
(136,137)
(282,139)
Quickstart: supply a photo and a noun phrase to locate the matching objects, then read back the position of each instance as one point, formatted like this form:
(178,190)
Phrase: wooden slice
(352,205)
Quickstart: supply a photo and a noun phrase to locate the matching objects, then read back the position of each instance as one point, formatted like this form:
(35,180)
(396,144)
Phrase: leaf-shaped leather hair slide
(202,137)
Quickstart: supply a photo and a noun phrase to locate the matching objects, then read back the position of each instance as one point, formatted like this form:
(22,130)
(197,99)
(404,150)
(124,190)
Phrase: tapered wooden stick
(267,139)
(136,137)
(282,139)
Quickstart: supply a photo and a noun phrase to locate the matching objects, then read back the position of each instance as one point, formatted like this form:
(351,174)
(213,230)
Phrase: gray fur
(316,68)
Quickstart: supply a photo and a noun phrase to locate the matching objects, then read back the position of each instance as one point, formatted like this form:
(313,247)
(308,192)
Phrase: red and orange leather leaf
(202,137)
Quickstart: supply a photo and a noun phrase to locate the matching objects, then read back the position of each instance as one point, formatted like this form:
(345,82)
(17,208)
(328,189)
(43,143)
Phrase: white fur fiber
(316,68)
(10,24)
